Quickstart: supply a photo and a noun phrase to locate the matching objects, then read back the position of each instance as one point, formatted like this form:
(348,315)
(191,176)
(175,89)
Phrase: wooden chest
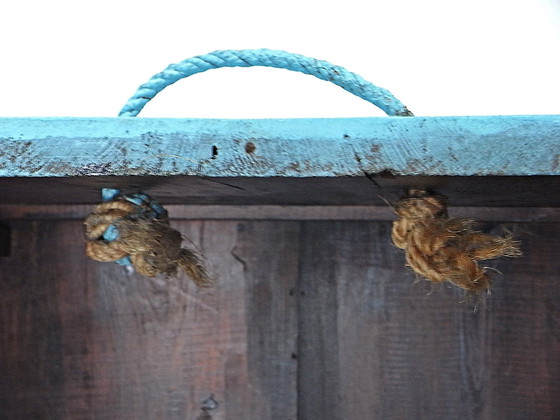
(314,315)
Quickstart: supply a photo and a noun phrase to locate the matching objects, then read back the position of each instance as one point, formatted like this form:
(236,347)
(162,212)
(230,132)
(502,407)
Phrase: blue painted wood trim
(452,146)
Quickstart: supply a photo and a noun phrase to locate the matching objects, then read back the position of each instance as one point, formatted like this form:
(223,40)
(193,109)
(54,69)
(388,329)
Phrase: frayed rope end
(441,249)
(134,229)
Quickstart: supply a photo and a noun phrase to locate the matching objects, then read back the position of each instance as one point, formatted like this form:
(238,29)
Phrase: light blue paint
(452,146)
(108,194)
(146,207)
(112,232)
(323,70)
(124,261)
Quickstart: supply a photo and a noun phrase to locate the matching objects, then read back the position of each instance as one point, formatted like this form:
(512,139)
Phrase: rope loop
(133,229)
(441,249)
(323,70)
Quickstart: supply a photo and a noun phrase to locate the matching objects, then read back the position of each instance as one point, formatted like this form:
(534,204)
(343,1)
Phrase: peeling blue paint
(452,146)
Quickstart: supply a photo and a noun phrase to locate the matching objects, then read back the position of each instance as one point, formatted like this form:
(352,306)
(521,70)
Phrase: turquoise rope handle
(323,70)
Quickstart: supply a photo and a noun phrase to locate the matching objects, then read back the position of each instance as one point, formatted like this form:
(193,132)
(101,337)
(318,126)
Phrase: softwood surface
(330,148)
(310,320)
(369,189)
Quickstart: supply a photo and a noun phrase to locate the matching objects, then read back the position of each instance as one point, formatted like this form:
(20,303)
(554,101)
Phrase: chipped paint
(419,146)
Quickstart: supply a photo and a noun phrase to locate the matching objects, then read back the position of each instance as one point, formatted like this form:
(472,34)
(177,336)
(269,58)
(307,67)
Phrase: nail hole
(250,147)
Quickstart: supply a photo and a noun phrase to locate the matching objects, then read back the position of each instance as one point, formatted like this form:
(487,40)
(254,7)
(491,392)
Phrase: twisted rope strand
(442,249)
(134,230)
(323,70)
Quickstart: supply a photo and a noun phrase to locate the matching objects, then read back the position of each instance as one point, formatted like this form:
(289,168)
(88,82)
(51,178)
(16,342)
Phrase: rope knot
(134,230)
(443,249)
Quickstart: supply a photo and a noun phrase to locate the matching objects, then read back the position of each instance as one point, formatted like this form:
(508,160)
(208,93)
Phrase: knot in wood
(442,249)
(138,230)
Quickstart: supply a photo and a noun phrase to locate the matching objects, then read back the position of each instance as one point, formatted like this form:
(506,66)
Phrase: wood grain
(309,320)
(31,335)
(375,345)
(390,351)
(522,333)
(369,189)
(295,213)
(87,340)
(301,147)
(269,253)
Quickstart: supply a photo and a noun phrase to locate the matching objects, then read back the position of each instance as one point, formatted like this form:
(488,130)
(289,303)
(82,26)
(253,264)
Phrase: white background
(439,57)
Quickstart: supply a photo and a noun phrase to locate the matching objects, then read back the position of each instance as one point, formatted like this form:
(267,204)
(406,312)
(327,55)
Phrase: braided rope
(323,70)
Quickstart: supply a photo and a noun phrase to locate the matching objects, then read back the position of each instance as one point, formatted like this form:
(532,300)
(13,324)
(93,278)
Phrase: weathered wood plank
(373,345)
(430,146)
(270,212)
(31,336)
(81,339)
(311,319)
(169,347)
(533,191)
(520,336)
(318,373)
(269,253)
(370,344)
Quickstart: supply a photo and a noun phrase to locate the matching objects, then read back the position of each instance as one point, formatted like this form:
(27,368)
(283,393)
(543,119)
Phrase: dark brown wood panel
(374,344)
(478,191)
(521,337)
(31,337)
(309,320)
(294,213)
(269,253)
(81,339)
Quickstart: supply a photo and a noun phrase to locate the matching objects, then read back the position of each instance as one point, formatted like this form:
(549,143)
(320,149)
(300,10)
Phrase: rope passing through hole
(133,229)
(441,249)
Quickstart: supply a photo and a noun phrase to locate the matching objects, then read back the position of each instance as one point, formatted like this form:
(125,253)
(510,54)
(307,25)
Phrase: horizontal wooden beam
(300,148)
(292,212)
(376,190)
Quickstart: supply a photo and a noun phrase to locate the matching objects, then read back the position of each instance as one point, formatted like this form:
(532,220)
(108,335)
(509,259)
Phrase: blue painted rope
(323,70)
(145,206)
